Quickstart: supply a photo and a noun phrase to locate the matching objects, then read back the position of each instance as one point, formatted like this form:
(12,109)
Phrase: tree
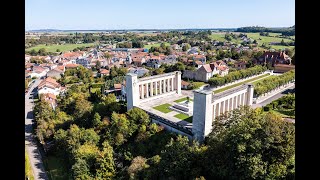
(96,119)
(138,164)
(105,167)
(186,47)
(138,116)
(98,65)
(80,170)
(107,55)
(250,146)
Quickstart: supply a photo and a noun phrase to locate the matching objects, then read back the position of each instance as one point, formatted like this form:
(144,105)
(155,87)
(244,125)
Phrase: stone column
(250,95)
(132,90)
(156,87)
(202,114)
(178,82)
(214,112)
(172,87)
(147,90)
(160,87)
(151,89)
(227,104)
(142,91)
(236,102)
(243,99)
(164,86)
(219,107)
(240,99)
(231,104)
(223,106)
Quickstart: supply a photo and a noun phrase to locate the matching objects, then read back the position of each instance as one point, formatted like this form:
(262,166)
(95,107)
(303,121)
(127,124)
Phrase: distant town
(160,104)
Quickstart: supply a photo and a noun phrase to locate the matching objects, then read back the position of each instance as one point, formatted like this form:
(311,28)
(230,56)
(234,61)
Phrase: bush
(266,108)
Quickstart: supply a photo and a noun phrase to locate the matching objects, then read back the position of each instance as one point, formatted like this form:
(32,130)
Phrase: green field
(267,40)
(155,45)
(63,48)
(28,170)
(182,99)
(163,108)
(56,169)
(240,83)
(218,36)
(184,117)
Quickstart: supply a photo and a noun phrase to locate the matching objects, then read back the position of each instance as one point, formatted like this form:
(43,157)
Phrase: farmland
(62,48)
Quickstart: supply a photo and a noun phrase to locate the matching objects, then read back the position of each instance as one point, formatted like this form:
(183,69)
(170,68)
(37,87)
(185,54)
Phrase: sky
(156,14)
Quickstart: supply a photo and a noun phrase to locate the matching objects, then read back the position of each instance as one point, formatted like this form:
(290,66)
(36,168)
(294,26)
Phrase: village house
(38,71)
(50,98)
(50,85)
(104,72)
(55,73)
(273,58)
(205,72)
(140,71)
(239,65)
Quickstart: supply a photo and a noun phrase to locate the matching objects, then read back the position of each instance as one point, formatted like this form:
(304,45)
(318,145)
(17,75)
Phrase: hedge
(236,75)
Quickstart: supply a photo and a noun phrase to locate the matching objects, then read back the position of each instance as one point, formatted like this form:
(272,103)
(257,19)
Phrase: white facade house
(49,85)
(38,71)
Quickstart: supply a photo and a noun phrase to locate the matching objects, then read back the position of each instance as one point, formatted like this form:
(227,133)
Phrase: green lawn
(63,48)
(197,85)
(155,45)
(28,170)
(56,169)
(267,40)
(182,99)
(240,83)
(184,117)
(163,108)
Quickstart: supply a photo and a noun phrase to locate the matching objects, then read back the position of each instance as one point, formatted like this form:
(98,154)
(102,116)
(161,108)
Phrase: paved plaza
(148,106)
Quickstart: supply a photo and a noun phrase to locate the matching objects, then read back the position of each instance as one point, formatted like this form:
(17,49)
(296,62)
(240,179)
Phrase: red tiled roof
(49,82)
(184,83)
(104,71)
(72,65)
(198,62)
(117,86)
(207,68)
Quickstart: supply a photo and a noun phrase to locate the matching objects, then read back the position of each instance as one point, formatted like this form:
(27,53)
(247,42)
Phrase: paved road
(32,149)
(272,98)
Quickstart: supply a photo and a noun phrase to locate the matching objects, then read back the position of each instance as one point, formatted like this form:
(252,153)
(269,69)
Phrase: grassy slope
(63,48)
(163,108)
(240,83)
(28,170)
(155,45)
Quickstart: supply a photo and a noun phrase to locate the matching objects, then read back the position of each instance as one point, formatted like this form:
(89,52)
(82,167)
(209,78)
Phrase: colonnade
(156,87)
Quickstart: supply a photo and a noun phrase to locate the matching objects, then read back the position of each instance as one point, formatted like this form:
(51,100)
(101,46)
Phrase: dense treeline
(285,31)
(270,83)
(236,75)
(95,142)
